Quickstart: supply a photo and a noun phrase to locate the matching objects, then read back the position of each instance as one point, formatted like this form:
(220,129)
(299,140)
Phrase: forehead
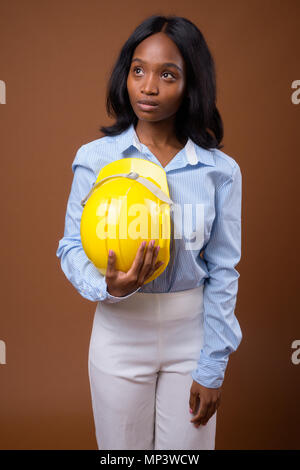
(158,48)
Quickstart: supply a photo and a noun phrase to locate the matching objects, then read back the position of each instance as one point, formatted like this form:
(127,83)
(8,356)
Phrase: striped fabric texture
(206,189)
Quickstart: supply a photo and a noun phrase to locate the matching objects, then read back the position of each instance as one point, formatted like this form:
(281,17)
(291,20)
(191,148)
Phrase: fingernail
(110,253)
(143,244)
(191,411)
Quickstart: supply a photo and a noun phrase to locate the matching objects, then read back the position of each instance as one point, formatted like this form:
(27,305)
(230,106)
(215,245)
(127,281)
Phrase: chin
(147,117)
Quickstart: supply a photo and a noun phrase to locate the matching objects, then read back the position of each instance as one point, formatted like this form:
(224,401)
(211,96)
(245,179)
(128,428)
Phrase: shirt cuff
(111,299)
(210,372)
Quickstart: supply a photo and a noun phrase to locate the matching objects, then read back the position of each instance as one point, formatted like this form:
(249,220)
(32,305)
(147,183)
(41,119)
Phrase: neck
(156,134)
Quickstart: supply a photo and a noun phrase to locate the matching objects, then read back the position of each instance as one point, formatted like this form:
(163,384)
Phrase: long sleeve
(222,332)
(75,264)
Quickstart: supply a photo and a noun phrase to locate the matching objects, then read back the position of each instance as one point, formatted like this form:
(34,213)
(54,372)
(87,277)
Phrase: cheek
(174,97)
(180,90)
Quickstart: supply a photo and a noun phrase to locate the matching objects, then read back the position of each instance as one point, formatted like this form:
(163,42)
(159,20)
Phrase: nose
(149,86)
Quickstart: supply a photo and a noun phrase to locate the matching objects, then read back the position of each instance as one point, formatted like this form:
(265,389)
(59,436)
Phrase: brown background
(56,57)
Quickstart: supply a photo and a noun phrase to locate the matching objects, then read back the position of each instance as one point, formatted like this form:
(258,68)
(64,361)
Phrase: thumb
(194,397)
(192,404)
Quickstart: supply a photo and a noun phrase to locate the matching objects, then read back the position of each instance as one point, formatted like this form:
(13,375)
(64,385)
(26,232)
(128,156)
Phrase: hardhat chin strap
(133,175)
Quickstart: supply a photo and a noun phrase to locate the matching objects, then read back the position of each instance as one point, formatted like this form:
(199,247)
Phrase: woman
(159,351)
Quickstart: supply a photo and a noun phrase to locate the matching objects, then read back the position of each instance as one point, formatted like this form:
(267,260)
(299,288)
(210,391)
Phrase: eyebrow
(167,64)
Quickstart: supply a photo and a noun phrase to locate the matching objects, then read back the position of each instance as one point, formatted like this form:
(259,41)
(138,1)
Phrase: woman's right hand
(119,283)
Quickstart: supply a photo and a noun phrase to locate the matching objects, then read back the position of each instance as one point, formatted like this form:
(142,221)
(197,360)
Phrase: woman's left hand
(210,399)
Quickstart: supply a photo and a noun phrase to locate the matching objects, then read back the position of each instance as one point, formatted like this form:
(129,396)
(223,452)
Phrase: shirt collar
(193,152)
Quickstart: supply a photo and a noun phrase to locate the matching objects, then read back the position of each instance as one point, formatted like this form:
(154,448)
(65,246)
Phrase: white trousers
(142,351)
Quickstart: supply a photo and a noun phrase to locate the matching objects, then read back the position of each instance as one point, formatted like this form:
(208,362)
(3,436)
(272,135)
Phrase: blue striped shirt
(210,179)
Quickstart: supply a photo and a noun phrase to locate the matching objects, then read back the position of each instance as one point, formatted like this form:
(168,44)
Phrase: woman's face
(152,77)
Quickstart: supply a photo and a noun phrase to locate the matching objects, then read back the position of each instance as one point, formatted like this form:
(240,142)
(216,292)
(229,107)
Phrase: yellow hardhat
(109,219)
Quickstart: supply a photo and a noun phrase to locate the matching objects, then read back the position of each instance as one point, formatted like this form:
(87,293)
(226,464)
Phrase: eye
(136,68)
(169,73)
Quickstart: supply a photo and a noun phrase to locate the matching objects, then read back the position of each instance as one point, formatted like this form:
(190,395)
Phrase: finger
(154,258)
(138,260)
(147,266)
(145,260)
(191,403)
(194,402)
(210,411)
(157,265)
(155,255)
(202,412)
(111,263)
(152,253)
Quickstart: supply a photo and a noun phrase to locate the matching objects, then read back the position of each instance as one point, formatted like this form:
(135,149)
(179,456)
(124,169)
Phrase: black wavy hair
(198,116)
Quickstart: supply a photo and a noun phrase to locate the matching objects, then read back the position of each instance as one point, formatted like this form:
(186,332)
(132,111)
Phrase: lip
(145,105)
